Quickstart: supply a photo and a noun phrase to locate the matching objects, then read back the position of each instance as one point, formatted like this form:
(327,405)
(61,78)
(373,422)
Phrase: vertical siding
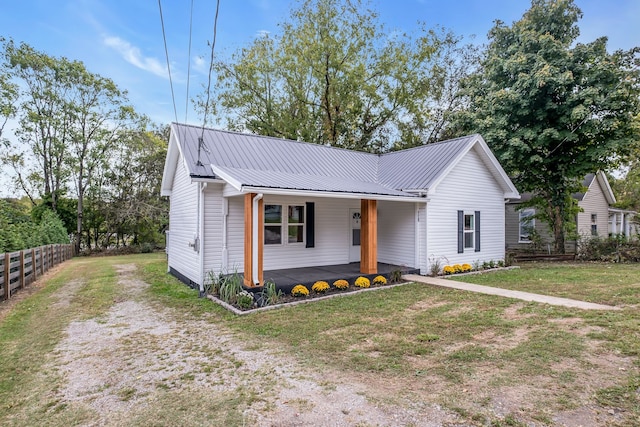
(212,234)
(183,214)
(469,187)
(397,233)
(594,202)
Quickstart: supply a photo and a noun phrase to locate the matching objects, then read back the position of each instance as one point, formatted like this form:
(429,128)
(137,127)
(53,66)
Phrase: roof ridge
(255,135)
(431,144)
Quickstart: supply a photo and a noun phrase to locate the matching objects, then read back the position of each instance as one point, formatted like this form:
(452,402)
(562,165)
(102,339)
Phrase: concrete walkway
(525,296)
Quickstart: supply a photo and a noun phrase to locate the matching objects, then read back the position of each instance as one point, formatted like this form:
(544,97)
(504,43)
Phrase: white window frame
(284,224)
(471,231)
(525,219)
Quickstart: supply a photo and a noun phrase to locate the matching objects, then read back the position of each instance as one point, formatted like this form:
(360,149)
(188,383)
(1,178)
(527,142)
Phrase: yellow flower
(300,291)
(379,280)
(448,269)
(457,268)
(466,268)
(362,282)
(341,284)
(320,287)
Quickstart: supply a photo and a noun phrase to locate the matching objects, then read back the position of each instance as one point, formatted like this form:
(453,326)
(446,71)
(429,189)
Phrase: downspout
(203,185)
(254,246)
(225,250)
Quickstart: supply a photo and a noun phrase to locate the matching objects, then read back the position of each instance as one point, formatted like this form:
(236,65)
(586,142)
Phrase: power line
(166,53)
(206,105)
(186,107)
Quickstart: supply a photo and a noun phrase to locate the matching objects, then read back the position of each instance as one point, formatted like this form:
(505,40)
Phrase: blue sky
(122,39)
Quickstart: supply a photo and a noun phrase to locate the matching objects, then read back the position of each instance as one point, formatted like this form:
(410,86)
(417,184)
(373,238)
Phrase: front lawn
(613,284)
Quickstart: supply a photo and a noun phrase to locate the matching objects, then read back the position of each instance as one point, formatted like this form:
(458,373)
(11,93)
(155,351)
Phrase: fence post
(7,269)
(22,272)
(34,265)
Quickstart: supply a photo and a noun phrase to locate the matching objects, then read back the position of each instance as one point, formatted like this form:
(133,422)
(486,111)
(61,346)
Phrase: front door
(354,235)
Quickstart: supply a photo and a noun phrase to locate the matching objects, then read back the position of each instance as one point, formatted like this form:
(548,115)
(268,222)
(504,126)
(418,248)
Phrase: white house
(248,203)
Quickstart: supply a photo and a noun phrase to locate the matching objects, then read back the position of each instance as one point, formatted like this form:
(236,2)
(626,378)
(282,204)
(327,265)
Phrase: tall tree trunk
(558,230)
(80,212)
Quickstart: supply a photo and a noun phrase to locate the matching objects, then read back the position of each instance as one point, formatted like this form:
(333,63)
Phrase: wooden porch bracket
(249,241)
(369,237)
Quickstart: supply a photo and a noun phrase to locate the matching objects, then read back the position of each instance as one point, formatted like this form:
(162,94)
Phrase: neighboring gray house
(252,204)
(597,217)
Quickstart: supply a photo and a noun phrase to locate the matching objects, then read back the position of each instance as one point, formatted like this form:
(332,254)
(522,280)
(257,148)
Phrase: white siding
(469,187)
(235,235)
(183,214)
(422,239)
(213,218)
(594,202)
(332,231)
(397,233)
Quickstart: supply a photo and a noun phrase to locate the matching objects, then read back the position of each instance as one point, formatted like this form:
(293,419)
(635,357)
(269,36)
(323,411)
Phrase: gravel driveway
(120,365)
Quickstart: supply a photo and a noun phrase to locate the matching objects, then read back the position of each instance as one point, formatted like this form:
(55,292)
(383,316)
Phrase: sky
(123,39)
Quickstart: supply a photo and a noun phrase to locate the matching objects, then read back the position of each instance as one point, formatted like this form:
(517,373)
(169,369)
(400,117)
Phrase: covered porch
(285,279)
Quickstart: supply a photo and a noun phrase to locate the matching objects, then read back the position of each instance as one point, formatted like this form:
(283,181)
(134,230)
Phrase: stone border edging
(238,312)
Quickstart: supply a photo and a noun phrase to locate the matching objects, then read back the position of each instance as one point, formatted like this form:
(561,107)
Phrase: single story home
(597,217)
(252,204)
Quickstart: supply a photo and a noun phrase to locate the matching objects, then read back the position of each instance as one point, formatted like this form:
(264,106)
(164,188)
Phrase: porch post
(369,237)
(248,239)
(253,235)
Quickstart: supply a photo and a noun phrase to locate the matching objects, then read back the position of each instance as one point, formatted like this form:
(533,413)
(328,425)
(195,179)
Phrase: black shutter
(477,231)
(311,219)
(460,232)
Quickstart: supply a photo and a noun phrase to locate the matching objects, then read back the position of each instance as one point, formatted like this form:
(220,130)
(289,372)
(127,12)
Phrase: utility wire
(186,107)
(166,53)
(213,45)
(206,105)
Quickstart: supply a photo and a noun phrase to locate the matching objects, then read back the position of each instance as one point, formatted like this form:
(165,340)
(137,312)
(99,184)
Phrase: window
(527,225)
(594,224)
(295,220)
(274,222)
(468,231)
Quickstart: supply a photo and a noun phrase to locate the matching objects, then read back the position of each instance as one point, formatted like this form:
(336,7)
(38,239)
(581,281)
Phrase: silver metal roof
(266,162)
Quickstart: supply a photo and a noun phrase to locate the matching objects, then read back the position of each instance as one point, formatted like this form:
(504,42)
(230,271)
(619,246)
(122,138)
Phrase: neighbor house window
(275,223)
(527,225)
(594,224)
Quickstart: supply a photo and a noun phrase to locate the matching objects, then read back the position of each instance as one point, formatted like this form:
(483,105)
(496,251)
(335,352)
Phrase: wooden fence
(21,268)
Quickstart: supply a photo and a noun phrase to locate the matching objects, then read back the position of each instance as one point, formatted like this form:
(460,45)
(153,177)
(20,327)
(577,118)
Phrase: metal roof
(267,162)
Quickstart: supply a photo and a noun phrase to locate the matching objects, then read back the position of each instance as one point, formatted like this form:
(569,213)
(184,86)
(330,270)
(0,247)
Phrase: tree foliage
(551,109)
(19,231)
(334,75)
(71,123)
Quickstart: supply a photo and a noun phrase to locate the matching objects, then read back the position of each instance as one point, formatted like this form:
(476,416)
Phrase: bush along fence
(21,268)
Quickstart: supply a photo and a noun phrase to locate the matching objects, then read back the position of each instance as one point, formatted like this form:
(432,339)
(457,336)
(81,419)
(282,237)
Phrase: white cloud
(132,55)
(200,65)
(262,33)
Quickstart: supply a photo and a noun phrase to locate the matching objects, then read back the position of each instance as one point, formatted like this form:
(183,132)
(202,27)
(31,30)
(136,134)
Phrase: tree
(70,122)
(551,109)
(8,94)
(333,76)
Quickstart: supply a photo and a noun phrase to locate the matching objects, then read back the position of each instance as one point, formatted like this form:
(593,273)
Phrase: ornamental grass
(300,291)
(320,287)
(341,284)
(362,282)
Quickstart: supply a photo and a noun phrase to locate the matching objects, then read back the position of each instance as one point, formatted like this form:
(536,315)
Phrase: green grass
(404,335)
(613,284)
